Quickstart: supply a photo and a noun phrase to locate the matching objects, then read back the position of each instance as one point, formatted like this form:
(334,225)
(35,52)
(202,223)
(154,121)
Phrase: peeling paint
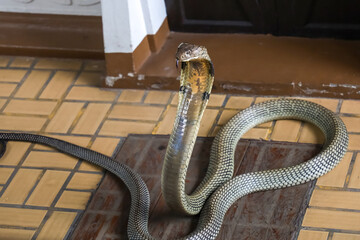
(130,74)
(232,87)
(311,91)
(341,85)
(110,81)
(141,77)
(156,86)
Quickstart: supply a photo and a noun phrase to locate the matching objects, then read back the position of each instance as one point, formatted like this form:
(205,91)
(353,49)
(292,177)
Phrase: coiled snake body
(218,190)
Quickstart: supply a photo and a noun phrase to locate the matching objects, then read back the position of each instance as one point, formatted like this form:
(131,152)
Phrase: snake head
(187,52)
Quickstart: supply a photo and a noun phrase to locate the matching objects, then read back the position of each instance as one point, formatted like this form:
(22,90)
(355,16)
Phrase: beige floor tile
(54,63)
(84,181)
(335,199)
(226,115)
(264,99)
(91,118)
(337,176)
(47,189)
(256,133)
(312,235)
(166,125)
(2,101)
(215,131)
(123,128)
(320,218)
(23,62)
(73,200)
(90,79)
(311,134)
(330,104)
(355,174)
(175,99)
(14,153)
(20,186)
(239,102)
(57,226)
(286,130)
(58,85)
(95,65)
(21,217)
(131,96)
(216,100)
(207,122)
(83,93)
(4,61)
(352,123)
(157,97)
(137,112)
(6,89)
(5,174)
(18,234)
(11,75)
(64,117)
(350,106)
(105,146)
(354,142)
(50,160)
(85,166)
(33,83)
(22,123)
(346,236)
(30,107)
(81,141)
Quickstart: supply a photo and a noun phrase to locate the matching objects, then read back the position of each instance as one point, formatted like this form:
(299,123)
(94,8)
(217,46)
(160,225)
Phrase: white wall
(70,7)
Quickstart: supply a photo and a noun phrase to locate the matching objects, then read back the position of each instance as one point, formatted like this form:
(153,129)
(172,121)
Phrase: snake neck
(194,93)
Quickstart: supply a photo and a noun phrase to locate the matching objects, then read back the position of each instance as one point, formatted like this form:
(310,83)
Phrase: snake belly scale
(218,191)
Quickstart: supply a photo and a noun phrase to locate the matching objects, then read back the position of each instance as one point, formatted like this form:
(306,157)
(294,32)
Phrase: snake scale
(218,191)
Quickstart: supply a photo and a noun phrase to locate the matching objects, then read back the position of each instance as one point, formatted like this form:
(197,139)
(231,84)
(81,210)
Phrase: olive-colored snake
(218,190)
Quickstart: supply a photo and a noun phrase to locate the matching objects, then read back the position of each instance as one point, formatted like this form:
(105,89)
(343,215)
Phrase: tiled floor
(43,193)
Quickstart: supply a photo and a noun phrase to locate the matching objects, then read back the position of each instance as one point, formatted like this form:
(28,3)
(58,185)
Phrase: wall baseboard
(49,35)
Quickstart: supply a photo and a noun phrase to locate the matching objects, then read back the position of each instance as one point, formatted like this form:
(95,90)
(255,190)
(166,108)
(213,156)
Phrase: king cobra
(218,190)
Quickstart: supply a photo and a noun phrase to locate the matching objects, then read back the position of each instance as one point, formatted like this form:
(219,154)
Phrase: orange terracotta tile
(83,93)
(90,79)
(50,160)
(263,99)
(321,218)
(86,166)
(91,119)
(6,89)
(14,153)
(337,176)
(158,97)
(311,134)
(352,123)
(131,96)
(136,112)
(20,186)
(33,83)
(58,85)
(64,117)
(5,174)
(30,107)
(73,200)
(2,101)
(355,174)
(22,123)
(57,226)
(215,131)
(11,75)
(207,122)
(81,141)
(216,100)
(312,235)
(175,99)
(48,187)
(330,104)
(21,217)
(22,62)
(105,146)
(18,234)
(55,63)
(165,126)
(123,128)
(354,142)
(346,236)
(350,106)
(256,133)
(239,102)
(335,199)
(286,130)
(4,61)
(226,115)
(84,181)
(95,65)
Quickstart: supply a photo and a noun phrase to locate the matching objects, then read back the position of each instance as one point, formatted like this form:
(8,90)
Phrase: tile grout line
(350,170)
